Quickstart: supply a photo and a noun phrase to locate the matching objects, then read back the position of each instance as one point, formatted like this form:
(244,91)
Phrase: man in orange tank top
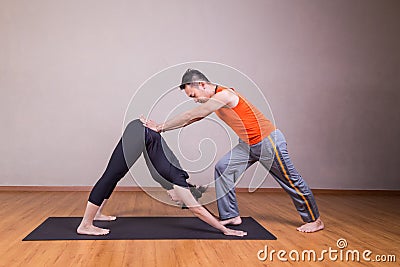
(259,140)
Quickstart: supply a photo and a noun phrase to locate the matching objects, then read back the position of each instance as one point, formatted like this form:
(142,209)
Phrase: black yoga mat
(145,228)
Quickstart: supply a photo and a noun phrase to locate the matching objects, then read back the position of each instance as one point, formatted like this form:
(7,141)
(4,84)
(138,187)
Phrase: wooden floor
(366,222)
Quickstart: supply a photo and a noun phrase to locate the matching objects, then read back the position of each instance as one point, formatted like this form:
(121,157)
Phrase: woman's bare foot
(312,226)
(101,217)
(91,230)
(232,221)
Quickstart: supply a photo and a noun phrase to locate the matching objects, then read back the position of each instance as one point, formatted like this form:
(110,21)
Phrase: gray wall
(330,71)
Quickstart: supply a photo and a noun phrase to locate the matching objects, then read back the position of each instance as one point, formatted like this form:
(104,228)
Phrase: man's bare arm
(216,102)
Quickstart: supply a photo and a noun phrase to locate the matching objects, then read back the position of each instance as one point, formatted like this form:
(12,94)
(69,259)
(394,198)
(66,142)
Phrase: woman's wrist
(223,229)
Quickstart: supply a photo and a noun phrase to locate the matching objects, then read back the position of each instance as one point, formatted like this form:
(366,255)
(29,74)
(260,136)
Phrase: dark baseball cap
(191,76)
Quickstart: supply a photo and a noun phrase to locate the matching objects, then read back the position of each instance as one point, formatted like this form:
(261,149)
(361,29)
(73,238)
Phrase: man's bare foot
(91,230)
(232,221)
(101,217)
(312,226)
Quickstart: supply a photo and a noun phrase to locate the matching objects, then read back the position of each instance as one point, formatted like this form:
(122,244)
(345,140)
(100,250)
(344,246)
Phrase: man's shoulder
(226,93)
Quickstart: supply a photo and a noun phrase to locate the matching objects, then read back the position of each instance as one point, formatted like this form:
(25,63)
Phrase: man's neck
(215,90)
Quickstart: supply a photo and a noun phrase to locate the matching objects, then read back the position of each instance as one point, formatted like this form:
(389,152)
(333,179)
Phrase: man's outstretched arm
(188,117)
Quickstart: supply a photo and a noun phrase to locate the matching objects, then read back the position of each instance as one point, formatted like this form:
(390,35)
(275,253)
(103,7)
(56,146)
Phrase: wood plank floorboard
(366,222)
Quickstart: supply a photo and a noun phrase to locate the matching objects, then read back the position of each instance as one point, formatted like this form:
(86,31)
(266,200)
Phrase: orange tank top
(245,120)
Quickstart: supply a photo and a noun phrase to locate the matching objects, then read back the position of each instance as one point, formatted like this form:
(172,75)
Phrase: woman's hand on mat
(228,231)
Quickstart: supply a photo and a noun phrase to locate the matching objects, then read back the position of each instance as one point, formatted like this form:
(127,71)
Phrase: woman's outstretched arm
(197,209)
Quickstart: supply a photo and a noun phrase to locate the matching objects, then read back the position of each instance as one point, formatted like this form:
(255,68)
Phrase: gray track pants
(273,155)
